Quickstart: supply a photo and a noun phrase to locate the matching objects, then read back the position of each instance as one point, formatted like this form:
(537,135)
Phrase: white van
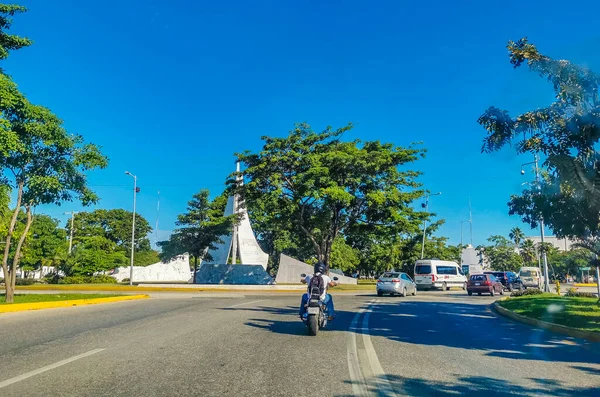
(431,273)
(531,276)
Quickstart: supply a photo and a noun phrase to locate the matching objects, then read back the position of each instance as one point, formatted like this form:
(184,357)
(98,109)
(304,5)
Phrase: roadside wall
(290,270)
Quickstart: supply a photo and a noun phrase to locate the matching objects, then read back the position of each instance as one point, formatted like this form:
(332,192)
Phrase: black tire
(313,326)
(414,292)
(379,293)
(501,291)
(404,294)
(492,292)
(392,294)
(470,293)
(464,287)
(479,293)
(510,288)
(445,287)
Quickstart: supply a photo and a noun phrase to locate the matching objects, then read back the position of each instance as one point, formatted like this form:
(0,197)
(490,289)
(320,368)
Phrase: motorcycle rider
(320,270)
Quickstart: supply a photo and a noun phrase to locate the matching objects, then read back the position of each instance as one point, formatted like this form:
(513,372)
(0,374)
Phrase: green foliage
(72,280)
(9,42)
(114,225)
(343,256)
(517,236)
(528,252)
(566,134)
(501,254)
(46,241)
(573,292)
(94,254)
(527,292)
(98,279)
(314,187)
(146,258)
(24,281)
(200,228)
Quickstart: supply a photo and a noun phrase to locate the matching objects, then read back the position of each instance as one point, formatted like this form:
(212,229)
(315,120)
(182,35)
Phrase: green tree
(343,256)
(565,134)
(199,229)
(325,186)
(517,236)
(43,163)
(528,252)
(94,254)
(502,255)
(10,42)
(46,241)
(115,225)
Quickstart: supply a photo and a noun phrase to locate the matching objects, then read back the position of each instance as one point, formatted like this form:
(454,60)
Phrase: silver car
(396,283)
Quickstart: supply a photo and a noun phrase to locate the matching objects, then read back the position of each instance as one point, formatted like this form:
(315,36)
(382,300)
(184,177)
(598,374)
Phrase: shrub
(72,280)
(125,281)
(24,281)
(101,279)
(526,292)
(574,293)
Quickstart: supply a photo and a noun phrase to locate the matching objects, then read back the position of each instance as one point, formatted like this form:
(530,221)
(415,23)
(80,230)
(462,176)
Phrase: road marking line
(359,386)
(245,303)
(382,382)
(47,368)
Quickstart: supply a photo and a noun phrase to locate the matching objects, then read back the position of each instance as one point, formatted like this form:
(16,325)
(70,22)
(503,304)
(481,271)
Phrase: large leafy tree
(321,186)
(501,254)
(94,254)
(517,236)
(46,241)
(199,229)
(528,252)
(115,225)
(565,134)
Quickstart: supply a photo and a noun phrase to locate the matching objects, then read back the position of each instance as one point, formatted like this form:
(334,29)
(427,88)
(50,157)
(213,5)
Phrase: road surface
(435,344)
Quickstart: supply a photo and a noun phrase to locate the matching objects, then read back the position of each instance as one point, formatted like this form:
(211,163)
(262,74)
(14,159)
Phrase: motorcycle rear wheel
(313,326)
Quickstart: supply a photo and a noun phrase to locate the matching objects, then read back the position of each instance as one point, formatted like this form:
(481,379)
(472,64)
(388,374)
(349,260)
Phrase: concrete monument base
(233,274)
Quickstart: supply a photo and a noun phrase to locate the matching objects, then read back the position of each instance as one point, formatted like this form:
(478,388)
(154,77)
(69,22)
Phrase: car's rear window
(447,270)
(529,273)
(390,275)
(478,277)
(423,269)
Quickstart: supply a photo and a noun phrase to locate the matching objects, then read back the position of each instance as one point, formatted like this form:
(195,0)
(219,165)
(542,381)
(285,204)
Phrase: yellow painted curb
(585,285)
(18,307)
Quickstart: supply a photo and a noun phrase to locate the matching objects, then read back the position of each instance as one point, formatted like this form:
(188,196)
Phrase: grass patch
(580,313)
(366,282)
(32,298)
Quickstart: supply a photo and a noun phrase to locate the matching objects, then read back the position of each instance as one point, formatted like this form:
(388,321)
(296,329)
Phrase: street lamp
(537,181)
(135,190)
(426,206)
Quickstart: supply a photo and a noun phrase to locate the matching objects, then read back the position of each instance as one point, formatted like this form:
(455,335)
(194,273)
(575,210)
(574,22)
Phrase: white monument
(177,270)
(241,243)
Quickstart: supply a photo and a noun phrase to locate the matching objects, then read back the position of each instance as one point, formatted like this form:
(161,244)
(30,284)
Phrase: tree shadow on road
(474,326)
(478,386)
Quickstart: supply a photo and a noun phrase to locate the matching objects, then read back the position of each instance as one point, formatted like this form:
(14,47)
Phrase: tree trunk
(8,279)
(17,257)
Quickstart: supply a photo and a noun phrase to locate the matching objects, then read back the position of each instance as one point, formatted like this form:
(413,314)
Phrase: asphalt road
(438,343)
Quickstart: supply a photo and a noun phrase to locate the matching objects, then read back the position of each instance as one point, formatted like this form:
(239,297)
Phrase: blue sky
(171,90)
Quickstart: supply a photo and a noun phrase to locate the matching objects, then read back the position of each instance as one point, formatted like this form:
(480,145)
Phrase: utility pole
(135,190)
(72,213)
(470,222)
(426,206)
(539,187)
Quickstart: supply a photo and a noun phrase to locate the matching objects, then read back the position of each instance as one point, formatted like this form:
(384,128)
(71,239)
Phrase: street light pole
(132,227)
(425,221)
(539,187)
(72,213)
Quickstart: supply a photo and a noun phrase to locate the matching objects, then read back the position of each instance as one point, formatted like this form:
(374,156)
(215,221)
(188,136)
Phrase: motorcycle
(316,311)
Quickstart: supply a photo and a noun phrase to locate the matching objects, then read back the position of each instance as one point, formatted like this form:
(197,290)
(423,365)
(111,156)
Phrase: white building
(561,244)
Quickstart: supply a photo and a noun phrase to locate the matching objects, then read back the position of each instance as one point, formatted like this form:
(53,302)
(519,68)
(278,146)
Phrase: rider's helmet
(320,268)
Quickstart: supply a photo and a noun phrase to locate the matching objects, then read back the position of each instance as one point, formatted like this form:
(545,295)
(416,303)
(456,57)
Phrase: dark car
(509,280)
(484,284)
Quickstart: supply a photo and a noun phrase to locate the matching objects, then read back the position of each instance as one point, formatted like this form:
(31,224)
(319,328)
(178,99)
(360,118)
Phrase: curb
(19,307)
(125,289)
(559,329)
(585,285)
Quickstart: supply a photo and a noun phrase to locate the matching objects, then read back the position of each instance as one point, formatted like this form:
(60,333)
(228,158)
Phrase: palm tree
(528,251)
(516,235)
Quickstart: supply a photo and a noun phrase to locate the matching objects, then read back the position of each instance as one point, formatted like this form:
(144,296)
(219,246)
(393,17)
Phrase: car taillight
(379,280)
(396,280)
(487,283)
(433,277)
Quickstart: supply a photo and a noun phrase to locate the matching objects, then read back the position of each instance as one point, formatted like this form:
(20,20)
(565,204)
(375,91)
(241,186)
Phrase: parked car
(531,276)
(431,273)
(484,284)
(509,280)
(396,283)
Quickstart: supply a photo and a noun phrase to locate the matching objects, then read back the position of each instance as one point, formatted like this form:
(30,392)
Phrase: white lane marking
(47,368)
(383,384)
(359,386)
(245,303)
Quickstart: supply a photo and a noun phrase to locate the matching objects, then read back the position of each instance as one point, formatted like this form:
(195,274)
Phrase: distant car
(431,273)
(509,280)
(484,284)
(396,283)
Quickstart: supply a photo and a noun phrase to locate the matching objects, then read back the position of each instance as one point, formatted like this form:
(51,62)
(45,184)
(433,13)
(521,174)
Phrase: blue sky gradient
(171,90)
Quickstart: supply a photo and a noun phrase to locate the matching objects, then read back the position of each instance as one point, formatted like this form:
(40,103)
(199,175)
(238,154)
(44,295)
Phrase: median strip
(51,304)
